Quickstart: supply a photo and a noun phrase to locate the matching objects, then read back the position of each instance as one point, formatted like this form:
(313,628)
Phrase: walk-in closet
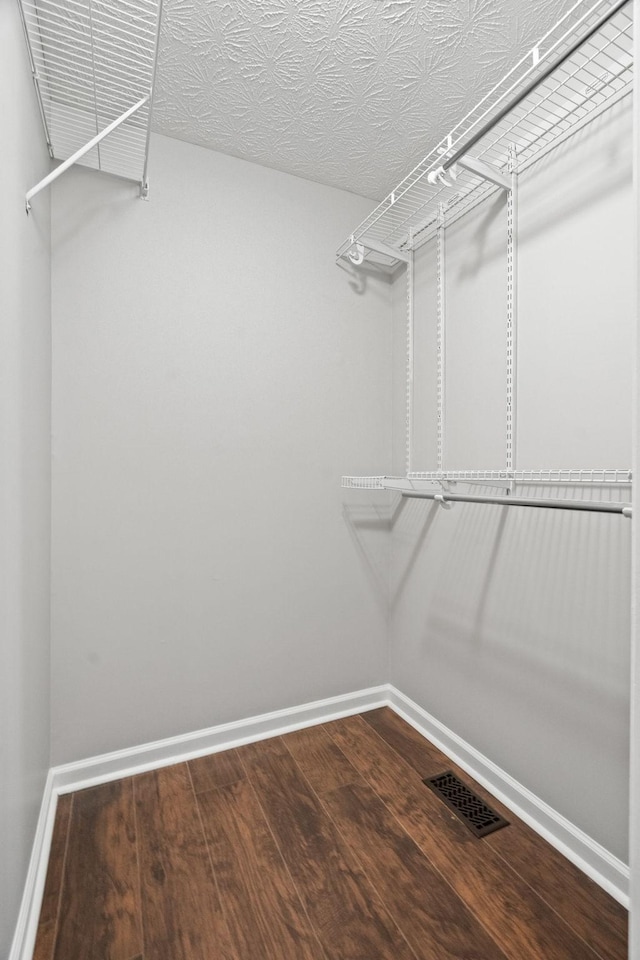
(318,418)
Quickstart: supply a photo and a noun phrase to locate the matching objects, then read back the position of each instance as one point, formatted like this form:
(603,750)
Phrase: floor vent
(467,805)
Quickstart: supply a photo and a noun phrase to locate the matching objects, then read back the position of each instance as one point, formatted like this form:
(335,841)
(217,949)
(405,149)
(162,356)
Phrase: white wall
(510,625)
(214,375)
(25,382)
(634,838)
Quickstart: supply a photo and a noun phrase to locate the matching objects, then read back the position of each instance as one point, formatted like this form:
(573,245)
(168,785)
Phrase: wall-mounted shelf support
(378,247)
(485,170)
(409,365)
(440,332)
(512,313)
(59,170)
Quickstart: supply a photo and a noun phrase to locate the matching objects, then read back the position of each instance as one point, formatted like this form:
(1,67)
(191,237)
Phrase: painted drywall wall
(634,819)
(215,373)
(511,626)
(25,385)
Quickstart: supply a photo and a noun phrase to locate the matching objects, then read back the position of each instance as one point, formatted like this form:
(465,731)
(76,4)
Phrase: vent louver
(468,806)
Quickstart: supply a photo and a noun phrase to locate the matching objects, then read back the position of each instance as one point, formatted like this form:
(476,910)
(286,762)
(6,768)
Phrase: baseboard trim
(25,933)
(225,736)
(605,869)
(588,855)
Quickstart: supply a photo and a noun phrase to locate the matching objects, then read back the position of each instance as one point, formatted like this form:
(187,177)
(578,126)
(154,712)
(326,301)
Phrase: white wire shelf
(600,489)
(594,76)
(92,61)
(367,483)
(601,476)
(550,477)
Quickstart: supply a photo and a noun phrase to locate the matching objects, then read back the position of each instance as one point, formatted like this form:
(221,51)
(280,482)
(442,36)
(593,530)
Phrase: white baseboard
(591,857)
(225,736)
(609,872)
(25,933)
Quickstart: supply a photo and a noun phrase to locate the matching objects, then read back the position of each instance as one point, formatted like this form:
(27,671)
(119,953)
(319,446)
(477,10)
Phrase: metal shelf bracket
(378,247)
(486,170)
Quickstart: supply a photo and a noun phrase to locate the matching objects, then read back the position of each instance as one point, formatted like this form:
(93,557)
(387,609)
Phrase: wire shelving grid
(583,84)
(92,60)
(593,77)
(603,490)
(555,477)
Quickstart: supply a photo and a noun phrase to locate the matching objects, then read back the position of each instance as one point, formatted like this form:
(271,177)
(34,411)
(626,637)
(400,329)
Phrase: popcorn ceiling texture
(352,93)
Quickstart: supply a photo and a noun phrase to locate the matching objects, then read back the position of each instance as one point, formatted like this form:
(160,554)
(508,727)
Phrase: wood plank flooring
(101,869)
(319,845)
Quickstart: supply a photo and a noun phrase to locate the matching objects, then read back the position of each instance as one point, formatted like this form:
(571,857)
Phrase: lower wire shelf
(437,486)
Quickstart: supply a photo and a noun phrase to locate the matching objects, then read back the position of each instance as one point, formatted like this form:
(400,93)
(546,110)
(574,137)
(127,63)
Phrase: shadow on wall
(358,276)
(479,241)
(511,626)
(607,142)
(549,587)
(423,514)
(91,211)
(546,587)
(366,523)
(609,170)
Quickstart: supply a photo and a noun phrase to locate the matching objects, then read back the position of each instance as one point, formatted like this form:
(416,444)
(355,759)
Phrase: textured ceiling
(351,93)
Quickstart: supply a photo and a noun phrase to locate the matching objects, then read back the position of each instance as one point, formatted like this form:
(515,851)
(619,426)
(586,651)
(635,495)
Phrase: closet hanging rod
(551,68)
(584,505)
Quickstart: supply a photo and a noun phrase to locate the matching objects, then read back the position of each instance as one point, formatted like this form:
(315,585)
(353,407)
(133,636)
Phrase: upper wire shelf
(592,77)
(93,61)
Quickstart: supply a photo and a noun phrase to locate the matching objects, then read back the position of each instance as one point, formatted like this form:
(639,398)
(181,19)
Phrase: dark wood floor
(323,844)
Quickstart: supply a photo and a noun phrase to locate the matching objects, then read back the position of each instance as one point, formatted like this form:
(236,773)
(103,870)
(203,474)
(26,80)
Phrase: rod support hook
(356,253)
